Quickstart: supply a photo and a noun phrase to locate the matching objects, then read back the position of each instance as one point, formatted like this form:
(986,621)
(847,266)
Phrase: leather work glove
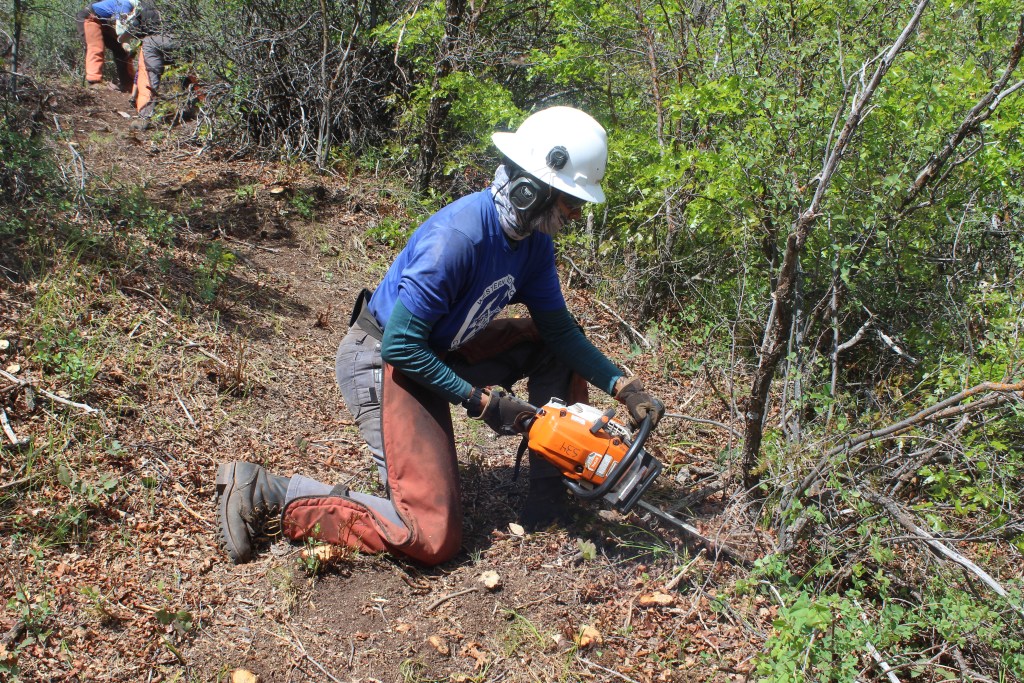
(504,413)
(639,403)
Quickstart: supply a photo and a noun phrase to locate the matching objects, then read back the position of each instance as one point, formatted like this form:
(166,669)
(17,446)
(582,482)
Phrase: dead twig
(253,246)
(700,420)
(15,439)
(632,330)
(17,482)
(671,585)
(597,666)
(445,598)
(182,404)
(53,397)
(297,644)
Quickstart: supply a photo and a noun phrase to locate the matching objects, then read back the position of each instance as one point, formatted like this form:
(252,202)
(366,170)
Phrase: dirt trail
(251,377)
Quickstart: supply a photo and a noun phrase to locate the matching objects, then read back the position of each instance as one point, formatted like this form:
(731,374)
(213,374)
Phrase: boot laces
(264,519)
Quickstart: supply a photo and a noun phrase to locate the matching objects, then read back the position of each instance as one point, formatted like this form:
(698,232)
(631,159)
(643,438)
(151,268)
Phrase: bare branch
(951,407)
(978,114)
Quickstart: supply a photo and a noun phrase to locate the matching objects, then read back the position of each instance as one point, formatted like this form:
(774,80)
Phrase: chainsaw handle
(634,450)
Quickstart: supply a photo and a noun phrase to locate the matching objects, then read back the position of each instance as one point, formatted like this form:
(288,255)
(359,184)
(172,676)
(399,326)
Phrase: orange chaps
(100,36)
(423,479)
(422,468)
(143,93)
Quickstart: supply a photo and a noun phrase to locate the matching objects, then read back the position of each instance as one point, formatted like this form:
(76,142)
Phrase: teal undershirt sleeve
(563,334)
(405,347)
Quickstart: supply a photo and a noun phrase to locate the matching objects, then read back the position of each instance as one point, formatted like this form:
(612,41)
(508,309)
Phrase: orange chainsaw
(602,459)
(598,457)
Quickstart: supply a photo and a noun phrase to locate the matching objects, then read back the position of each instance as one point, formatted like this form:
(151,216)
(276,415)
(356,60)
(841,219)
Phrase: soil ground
(145,592)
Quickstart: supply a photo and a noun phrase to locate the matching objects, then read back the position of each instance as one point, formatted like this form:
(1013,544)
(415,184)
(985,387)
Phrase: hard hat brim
(590,192)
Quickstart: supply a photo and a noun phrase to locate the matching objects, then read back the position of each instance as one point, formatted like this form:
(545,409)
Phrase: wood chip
(657,598)
(490,579)
(439,644)
(589,636)
(322,552)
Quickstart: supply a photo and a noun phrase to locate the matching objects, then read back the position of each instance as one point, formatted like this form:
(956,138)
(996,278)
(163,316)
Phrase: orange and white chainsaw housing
(598,457)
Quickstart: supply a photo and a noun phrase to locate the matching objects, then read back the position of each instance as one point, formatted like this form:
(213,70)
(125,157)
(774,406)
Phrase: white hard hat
(561,147)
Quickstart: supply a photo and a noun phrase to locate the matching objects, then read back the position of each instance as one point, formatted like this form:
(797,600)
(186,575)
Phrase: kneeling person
(428,336)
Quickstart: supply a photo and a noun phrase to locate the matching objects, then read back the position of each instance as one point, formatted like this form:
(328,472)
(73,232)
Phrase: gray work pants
(358,372)
(156,54)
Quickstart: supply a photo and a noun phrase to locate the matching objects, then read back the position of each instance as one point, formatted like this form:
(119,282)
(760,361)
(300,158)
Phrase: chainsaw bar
(691,532)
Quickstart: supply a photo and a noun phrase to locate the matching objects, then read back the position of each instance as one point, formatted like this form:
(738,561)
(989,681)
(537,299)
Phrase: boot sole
(226,484)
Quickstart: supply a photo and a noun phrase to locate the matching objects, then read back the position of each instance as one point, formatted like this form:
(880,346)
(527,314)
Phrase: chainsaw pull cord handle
(627,460)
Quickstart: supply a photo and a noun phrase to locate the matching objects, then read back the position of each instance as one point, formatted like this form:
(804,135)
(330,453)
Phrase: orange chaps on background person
(142,93)
(100,36)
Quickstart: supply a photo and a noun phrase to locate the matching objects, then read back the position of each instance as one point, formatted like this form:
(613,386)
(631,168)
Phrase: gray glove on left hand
(639,403)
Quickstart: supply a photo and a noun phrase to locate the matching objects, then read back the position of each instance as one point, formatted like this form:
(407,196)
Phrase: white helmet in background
(562,147)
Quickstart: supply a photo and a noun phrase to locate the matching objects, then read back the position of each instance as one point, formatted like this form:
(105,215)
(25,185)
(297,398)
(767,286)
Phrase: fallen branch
(908,523)
(47,394)
(635,332)
(701,420)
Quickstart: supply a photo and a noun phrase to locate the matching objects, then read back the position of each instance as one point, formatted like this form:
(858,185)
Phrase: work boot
(547,503)
(248,496)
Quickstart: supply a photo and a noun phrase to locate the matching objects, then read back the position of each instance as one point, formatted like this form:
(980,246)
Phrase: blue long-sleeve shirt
(454,276)
(105,9)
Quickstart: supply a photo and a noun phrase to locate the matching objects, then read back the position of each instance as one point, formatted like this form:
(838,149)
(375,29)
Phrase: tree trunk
(16,47)
(781,316)
(437,111)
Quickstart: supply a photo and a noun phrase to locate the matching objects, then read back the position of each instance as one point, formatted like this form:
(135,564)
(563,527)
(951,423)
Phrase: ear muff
(524,193)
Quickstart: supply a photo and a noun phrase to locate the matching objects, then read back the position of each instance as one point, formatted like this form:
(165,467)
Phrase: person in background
(157,50)
(96,28)
(429,336)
